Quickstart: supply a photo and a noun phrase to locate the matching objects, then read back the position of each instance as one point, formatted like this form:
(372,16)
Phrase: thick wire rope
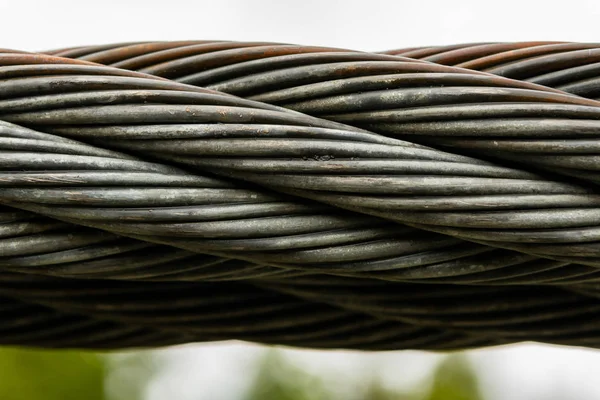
(396,174)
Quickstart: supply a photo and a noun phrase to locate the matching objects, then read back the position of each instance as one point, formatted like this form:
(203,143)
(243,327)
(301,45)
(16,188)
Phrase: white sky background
(204,372)
(356,24)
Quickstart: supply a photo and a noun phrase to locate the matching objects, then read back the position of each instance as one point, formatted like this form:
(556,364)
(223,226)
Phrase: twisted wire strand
(198,213)
(208,312)
(532,313)
(569,67)
(356,85)
(358,200)
(65,254)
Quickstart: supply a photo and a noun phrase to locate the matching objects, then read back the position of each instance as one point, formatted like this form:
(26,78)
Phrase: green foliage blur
(27,374)
(279,379)
(455,379)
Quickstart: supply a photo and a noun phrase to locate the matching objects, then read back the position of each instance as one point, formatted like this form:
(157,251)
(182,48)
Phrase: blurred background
(236,370)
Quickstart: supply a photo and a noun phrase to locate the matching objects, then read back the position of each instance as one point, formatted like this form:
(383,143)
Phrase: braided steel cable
(230,140)
(384,184)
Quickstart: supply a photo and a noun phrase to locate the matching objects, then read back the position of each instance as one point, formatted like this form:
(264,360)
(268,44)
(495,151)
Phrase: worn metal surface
(307,196)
